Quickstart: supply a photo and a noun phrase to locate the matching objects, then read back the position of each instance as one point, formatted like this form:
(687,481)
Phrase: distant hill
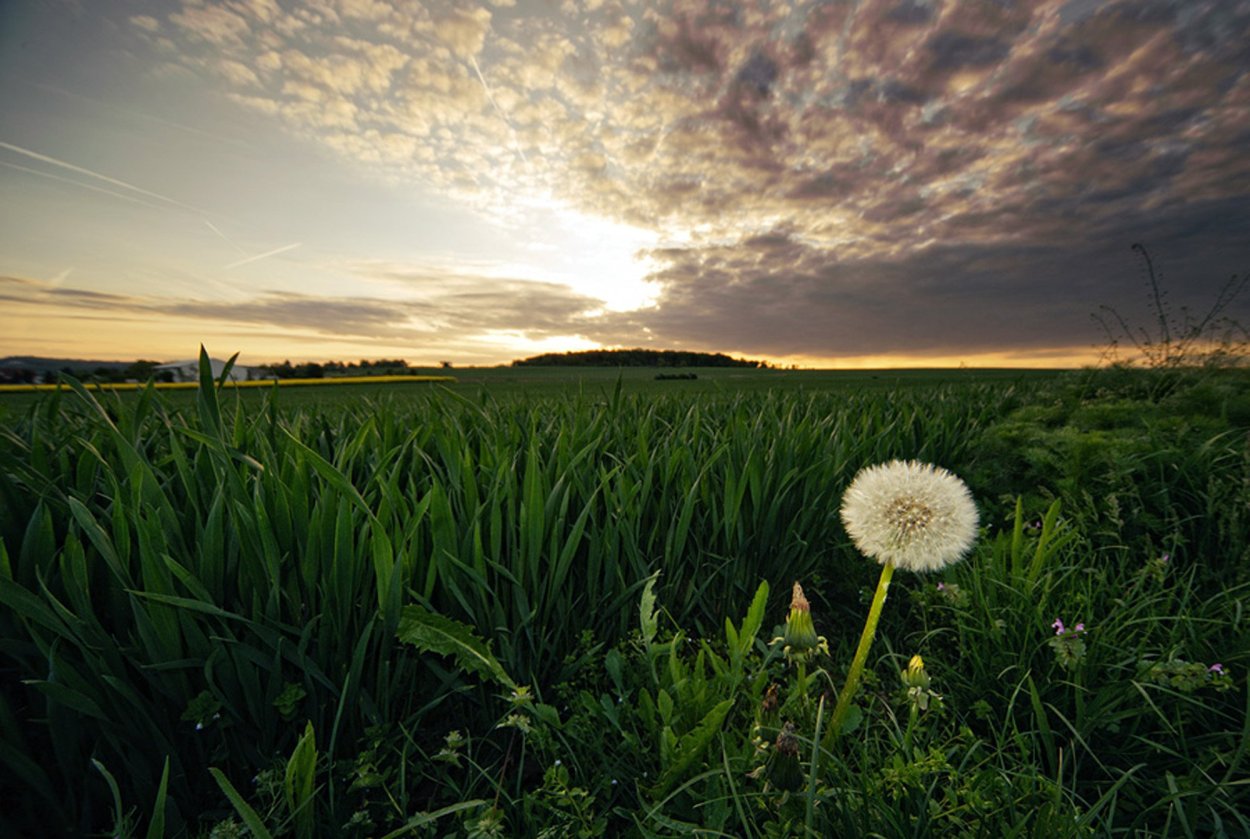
(635,358)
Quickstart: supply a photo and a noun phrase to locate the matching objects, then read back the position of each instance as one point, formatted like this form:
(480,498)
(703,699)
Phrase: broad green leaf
(67,696)
(118,813)
(245,811)
(156,827)
(99,538)
(692,746)
(301,772)
(754,619)
(647,611)
(431,632)
(328,471)
(206,397)
(422,819)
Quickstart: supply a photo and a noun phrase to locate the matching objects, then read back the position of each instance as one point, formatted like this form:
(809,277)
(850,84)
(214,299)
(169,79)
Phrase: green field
(543,601)
(529,382)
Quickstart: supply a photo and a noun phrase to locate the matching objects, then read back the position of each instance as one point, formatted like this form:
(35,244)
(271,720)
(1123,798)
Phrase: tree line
(636,358)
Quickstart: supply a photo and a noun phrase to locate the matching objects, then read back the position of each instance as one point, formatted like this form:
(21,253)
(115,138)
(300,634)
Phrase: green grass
(218,581)
(510,383)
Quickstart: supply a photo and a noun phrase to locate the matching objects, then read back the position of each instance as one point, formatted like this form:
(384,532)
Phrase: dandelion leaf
(647,612)
(431,632)
(691,747)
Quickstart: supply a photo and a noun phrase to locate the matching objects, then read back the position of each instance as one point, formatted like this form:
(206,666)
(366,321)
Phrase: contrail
(91,187)
(264,255)
(516,145)
(233,243)
(44,158)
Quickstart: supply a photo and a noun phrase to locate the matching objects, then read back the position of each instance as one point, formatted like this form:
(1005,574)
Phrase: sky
(823,184)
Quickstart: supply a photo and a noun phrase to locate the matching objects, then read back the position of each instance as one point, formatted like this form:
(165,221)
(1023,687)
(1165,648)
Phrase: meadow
(559,603)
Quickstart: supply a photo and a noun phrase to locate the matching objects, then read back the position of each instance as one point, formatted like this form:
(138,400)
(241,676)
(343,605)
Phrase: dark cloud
(910,12)
(954,50)
(87,298)
(757,75)
(773,294)
(328,316)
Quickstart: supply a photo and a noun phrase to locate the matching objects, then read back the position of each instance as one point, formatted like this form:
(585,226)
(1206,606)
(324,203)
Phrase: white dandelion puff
(910,515)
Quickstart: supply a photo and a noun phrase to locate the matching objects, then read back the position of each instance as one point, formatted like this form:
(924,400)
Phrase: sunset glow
(852,184)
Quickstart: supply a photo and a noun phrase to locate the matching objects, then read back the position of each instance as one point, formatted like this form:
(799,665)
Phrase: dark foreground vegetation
(464,616)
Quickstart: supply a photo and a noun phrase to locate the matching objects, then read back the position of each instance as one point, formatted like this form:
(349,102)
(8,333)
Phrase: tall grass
(171,576)
(207,586)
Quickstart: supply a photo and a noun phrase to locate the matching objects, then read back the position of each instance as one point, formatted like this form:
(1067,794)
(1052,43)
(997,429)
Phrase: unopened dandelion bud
(783,769)
(915,676)
(800,634)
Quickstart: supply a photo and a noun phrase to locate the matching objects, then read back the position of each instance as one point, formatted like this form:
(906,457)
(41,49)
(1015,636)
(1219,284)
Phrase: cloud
(832,154)
(776,295)
(463,30)
(214,24)
(434,305)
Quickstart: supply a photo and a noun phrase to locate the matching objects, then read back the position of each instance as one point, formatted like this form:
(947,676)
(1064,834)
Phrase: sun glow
(591,254)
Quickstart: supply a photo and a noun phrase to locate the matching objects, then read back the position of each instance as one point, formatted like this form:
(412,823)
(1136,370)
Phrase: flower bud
(800,636)
(783,769)
(915,676)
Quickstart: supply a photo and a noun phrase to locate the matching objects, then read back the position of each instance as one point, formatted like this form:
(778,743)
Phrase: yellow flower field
(343,380)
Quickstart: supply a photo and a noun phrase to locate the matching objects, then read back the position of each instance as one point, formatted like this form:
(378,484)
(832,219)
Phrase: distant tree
(636,357)
(141,370)
(283,370)
(17,375)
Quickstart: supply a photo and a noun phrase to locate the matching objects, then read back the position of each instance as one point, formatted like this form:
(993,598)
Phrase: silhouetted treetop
(635,358)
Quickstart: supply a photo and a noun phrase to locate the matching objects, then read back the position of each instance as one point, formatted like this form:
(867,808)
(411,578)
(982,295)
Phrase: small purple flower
(941,586)
(1062,630)
(1166,558)
(1216,668)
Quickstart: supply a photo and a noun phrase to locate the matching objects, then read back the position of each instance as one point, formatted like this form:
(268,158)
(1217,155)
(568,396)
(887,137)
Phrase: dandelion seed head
(912,515)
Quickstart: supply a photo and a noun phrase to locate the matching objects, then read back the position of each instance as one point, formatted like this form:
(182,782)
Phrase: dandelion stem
(911,727)
(861,654)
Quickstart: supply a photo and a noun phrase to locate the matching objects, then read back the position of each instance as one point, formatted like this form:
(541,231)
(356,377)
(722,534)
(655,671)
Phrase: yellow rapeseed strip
(342,380)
